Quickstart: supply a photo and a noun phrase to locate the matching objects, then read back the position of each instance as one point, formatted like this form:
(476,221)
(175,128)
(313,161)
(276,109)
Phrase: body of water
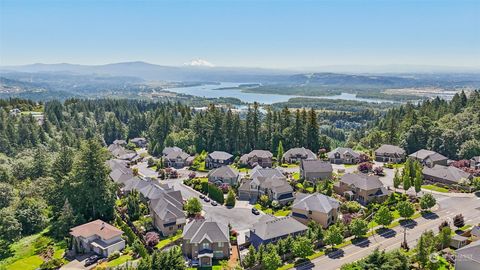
(211,91)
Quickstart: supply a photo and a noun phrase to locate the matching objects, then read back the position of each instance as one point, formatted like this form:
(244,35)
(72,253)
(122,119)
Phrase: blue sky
(282,34)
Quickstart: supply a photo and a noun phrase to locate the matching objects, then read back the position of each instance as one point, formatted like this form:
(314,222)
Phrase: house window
(220,244)
(170,228)
(205,246)
(310,212)
(179,226)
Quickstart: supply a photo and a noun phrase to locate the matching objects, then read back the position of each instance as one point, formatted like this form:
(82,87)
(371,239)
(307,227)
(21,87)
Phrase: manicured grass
(120,260)
(466,227)
(350,165)
(25,252)
(168,240)
(435,188)
(282,213)
(296,175)
(309,189)
(286,165)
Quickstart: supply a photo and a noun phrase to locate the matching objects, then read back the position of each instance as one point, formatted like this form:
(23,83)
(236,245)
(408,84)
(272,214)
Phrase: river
(229,90)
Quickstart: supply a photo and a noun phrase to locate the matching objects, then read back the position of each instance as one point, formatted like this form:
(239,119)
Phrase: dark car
(202,196)
(91,260)
(255,211)
(206,199)
(214,203)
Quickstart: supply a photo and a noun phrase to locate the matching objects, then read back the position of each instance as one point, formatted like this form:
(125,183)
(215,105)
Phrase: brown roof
(96,227)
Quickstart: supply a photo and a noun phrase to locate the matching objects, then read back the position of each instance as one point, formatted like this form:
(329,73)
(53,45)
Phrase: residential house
(14,112)
(224,175)
(475,162)
(139,142)
(458,241)
(317,207)
(429,158)
(446,175)
(257,157)
(120,173)
(270,230)
(314,170)
(266,181)
(390,153)
(120,142)
(294,155)
(120,152)
(176,158)
(468,257)
(361,187)
(98,237)
(343,155)
(205,240)
(166,210)
(475,233)
(217,159)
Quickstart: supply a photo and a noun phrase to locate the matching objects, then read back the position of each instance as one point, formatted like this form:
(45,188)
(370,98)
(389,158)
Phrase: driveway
(78,263)
(239,217)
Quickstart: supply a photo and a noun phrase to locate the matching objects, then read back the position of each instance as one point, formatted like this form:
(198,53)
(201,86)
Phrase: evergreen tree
(93,194)
(65,221)
(312,132)
(280,153)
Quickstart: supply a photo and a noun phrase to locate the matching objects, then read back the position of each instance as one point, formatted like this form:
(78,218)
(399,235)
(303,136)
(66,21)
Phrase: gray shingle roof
(257,153)
(450,173)
(389,149)
(342,151)
(177,154)
(117,150)
(476,159)
(265,172)
(423,154)
(302,151)
(168,150)
(313,166)
(470,252)
(198,230)
(223,171)
(275,183)
(315,202)
(268,229)
(362,181)
(168,205)
(220,155)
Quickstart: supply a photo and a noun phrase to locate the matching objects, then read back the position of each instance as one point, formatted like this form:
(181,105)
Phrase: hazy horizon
(294,35)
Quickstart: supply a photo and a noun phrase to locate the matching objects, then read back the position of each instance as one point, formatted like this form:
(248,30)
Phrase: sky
(273,34)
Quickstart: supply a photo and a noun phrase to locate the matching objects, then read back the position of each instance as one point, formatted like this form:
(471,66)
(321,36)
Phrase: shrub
(114,255)
(365,167)
(51,264)
(152,239)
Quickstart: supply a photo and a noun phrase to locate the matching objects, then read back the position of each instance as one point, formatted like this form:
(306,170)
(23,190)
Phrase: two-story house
(390,153)
(317,207)
(361,187)
(96,236)
(429,158)
(166,210)
(224,175)
(294,155)
(257,157)
(139,142)
(270,230)
(205,240)
(218,159)
(176,158)
(343,155)
(315,170)
(266,181)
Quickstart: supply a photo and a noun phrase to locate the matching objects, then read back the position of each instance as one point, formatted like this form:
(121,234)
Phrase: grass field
(120,260)
(25,252)
(435,188)
(166,241)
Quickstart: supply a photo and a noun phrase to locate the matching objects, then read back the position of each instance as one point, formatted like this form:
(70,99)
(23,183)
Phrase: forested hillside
(450,128)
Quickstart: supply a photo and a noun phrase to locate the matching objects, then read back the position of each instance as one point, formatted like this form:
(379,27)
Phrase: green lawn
(435,188)
(270,211)
(350,165)
(296,175)
(286,165)
(25,252)
(282,213)
(120,260)
(168,240)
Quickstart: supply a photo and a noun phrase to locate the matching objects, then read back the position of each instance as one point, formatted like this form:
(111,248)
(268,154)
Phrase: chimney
(103,226)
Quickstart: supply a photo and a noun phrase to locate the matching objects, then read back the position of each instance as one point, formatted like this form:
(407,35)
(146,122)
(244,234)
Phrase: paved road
(448,207)
(240,217)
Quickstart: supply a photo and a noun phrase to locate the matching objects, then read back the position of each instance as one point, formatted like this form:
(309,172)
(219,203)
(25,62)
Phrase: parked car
(214,203)
(255,211)
(206,199)
(91,260)
(202,196)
